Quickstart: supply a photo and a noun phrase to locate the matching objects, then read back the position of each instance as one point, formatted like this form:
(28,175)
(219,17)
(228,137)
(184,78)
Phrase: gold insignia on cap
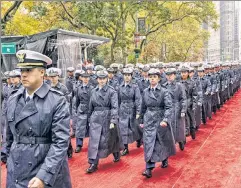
(21,57)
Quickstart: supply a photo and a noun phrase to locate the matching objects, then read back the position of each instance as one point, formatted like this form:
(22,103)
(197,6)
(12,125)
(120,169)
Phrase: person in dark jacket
(104,130)
(76,84)
(129,109)
(15,77)
(191,93)
(117,73)
(112,80)
(69,83)
(193,75)
(93,77)
(82,108)
(38,129)
(54,74)
(207,89)
(156,118)
(179,101)
(6,87)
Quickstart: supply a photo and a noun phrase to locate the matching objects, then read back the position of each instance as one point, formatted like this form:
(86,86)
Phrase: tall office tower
(224,43)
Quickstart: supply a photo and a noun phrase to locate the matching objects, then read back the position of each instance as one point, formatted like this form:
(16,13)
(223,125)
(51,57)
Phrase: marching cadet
(104,130)
(5,94)
(77,83)
(194,76)
(206,89)
(162,73)
(112,81)
(191,94)
(46,78)
(93,77)
(143,83)
(211,98)
(69,83)
(38,129)
(156,114)
(15,77)
(54,74)
(215,97)
(179,101)
(82,107)
(70,79)
(129,109)
(15,80)
(117,73)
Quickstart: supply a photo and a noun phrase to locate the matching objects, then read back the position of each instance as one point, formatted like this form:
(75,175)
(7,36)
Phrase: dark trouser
(150,165)
(79,142)
(191,123)
(96,161)
(126,146)
(70,148)
(204,113)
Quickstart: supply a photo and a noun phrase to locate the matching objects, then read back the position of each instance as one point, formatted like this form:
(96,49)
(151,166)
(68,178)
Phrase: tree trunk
(112,57)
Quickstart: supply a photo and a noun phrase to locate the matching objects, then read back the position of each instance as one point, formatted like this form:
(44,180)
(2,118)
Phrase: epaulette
(56,91)
(110,87)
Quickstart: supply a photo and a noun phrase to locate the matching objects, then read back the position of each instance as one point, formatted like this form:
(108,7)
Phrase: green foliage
(174,28)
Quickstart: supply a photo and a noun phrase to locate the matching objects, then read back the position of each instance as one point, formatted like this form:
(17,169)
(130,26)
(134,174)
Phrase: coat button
(30,129)
(16,181)
(16,163)
(29,164)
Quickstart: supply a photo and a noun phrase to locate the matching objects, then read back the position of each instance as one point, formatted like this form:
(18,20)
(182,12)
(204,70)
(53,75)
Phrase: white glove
(182,114)
(206,93)
(137,116)
(112,126)
(199,104)
(211,93)
(141,125)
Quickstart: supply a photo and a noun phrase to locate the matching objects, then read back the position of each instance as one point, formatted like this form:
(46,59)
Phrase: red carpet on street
(212,160)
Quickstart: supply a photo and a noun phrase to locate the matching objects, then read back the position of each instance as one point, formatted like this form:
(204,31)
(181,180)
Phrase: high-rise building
(224,43)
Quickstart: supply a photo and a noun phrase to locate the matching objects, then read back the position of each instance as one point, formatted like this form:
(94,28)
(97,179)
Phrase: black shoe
(197,127)
(73,135)
(181,145)
(70,152)
(125,152)
(165,163)
(193,134)
(138,144)
(117,159)
(210,118)
(187,133)
(70,155)
(4,160)
(78,149)
(147,173)
(92,168)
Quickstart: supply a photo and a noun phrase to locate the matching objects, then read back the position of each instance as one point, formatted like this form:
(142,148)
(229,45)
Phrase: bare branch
(11,11)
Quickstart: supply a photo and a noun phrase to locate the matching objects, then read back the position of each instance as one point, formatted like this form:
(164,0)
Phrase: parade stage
(212,160)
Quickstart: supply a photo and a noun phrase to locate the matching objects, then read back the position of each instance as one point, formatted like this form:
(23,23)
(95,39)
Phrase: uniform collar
(31,96)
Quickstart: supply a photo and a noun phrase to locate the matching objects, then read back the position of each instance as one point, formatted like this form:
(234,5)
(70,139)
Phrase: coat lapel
(28,110)
(151,94)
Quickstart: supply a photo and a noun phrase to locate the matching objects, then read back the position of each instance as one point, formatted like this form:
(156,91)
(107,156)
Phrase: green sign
(8,48)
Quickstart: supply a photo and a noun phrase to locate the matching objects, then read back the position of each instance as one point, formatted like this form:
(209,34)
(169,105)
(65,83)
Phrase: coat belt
(31,140)
(155,108)
(126,101)
(100,108)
